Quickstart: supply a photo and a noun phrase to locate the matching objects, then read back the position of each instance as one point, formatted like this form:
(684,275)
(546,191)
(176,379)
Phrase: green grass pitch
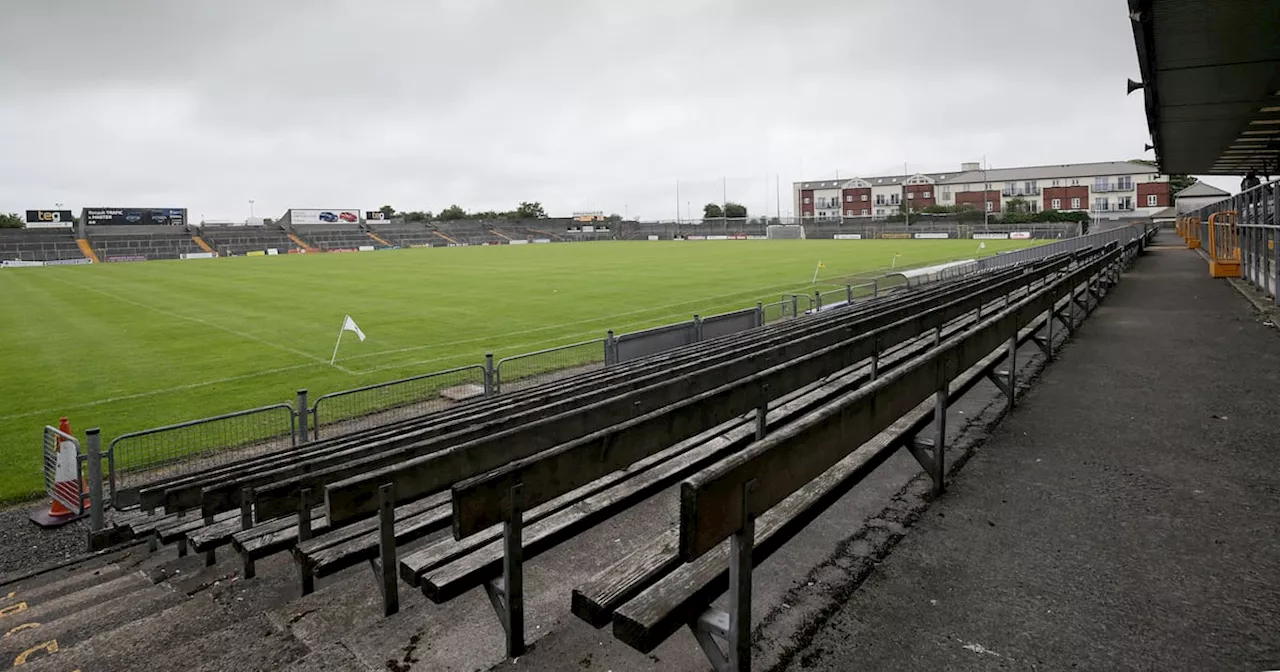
(131,346)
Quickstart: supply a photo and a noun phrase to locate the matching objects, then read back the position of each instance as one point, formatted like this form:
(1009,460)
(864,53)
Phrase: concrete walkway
(1125,516)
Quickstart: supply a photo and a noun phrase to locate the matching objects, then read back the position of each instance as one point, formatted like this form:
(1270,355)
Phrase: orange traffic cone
(66,483)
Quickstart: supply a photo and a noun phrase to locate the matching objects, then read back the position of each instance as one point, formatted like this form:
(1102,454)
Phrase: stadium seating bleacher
(140,243)
(38,245)
(239,240)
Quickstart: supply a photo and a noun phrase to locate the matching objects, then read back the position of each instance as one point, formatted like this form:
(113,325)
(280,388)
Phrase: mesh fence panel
(534,368)
(143,457)
(374,405)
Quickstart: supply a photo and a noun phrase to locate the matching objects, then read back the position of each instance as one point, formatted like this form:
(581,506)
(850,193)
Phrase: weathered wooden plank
(176,531)
(596,600)
(356,550)
(354,497)
(274,536)
(479,501)
(341,535)
(214,536)
(780,469)
(666,596)
(478,558)
(183,498)
(569,419)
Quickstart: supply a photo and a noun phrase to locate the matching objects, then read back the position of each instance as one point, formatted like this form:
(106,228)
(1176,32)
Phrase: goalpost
(784,231)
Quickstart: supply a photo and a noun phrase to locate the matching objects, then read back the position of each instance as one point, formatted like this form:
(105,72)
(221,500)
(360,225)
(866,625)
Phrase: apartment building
(1110,189)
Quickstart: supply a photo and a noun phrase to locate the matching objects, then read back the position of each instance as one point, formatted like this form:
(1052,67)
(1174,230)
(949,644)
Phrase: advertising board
(990,236)
(325,216)
(1020,235)
(848,236)
(134,216)
(127,257)
(717,237)
(652,237)
(896,236)
(931,236)
(18,263)
(375,215)
(541,240)
(519,242)
(49,219)
(69,262)
(197,255)
(365,248)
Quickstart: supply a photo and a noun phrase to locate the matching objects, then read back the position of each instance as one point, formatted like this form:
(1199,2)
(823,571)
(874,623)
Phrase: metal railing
(373,405)
(1121,235)
(533,368)
(1255,233)
(138,458)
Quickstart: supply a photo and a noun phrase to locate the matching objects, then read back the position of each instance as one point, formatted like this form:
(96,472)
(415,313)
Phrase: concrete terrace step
(206,601)
(88,619)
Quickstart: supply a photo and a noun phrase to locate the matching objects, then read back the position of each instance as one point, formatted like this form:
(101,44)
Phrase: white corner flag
(982,246)
(348,324)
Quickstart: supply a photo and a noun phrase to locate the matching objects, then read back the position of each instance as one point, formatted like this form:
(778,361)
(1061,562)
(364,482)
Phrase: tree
(735,210)
(453,212)
(1177,181)
(532,210)
(712,211)
(416,216)
(387,211)
(268,221)
(11,221)
(1017,205)
(615,217)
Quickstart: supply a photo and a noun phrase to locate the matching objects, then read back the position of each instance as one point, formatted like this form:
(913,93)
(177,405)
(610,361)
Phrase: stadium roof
(1064,170)
(1211,75)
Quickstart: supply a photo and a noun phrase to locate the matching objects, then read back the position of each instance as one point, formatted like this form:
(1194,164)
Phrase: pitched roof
(1201,189)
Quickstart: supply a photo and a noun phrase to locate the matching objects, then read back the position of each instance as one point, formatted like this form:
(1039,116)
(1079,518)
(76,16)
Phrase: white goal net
(786,231)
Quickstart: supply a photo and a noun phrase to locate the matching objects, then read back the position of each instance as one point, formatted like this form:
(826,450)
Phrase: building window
(911,195)
(928,194)
(1055,183)
(946,191)
(1125,203)
(1101,184)
(893,199)
(1152,200)
(806,200)
(1075,182)
(1075,204)
(848,213)
(1056,204)
(989,206)
(864,212)
(864,198)
(848,198)
(1124,182)
(879,199)
(879,211)
(1101,204)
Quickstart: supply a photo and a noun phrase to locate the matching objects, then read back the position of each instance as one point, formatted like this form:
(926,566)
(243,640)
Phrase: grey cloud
(577,103)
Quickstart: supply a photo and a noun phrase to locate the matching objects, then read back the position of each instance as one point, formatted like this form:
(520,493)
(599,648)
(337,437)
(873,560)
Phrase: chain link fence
(373,405)
(535,368)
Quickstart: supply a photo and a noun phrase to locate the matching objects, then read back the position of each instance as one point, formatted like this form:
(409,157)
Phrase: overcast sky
(579,104)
